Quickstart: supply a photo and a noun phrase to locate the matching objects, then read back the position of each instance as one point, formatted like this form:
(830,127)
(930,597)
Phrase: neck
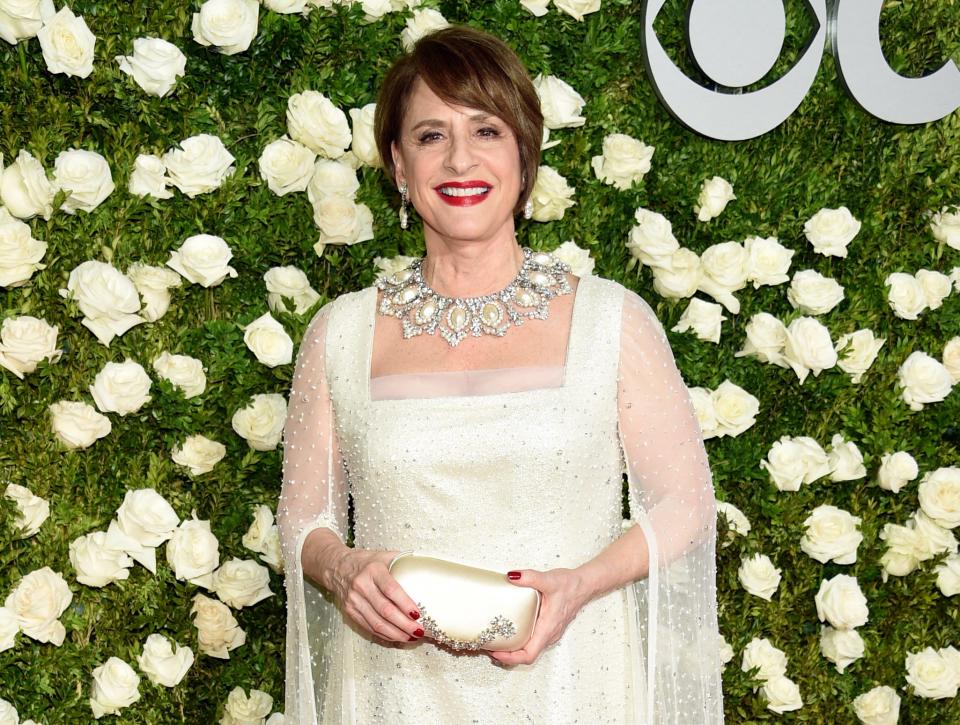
(457,268)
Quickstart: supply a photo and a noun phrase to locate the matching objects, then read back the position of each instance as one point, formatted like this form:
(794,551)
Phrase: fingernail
(412,639)
(418,632)
(414,614)
(513,575)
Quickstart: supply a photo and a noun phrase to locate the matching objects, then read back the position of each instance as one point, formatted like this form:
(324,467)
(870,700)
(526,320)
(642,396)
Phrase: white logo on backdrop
(735,43)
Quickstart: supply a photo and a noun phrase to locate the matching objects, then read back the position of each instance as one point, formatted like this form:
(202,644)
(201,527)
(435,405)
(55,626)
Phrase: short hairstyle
(465,67)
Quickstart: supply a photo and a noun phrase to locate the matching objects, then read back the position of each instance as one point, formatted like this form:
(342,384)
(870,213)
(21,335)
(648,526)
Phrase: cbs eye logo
(736,42)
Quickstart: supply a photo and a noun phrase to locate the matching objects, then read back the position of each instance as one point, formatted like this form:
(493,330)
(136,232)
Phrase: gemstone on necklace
(409,293)
(457,318)
(402,276)
(540,279)
(543,259)
(526,297)
(491,314)
(426,311)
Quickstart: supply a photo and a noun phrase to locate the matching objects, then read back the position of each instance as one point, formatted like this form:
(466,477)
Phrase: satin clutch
(467,608)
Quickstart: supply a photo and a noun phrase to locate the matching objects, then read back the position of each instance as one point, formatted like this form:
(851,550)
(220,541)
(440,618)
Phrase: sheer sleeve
(313,494)
(672,500)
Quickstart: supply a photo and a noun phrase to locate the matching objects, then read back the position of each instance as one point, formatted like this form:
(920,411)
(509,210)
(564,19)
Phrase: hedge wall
(829,153)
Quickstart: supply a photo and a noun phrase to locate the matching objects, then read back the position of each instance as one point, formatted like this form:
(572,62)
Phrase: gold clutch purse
(466,608)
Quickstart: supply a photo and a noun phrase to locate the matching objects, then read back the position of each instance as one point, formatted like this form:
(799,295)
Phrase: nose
(460,156)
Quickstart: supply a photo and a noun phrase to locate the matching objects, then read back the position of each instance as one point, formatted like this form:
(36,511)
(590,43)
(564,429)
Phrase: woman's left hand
(563,593)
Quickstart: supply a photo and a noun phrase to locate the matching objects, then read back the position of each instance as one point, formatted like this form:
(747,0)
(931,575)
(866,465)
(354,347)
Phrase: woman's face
(461,165)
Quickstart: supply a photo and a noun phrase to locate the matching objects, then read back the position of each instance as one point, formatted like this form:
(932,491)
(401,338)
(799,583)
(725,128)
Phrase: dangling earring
(404,201)
(528,209)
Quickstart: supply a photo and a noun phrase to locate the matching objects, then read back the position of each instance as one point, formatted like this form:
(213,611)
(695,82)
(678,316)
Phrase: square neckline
(564,384)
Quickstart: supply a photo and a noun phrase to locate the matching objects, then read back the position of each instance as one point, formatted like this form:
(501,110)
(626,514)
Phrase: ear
(397,163)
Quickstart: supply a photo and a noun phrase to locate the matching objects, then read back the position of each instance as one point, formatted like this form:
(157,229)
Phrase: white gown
(505,469)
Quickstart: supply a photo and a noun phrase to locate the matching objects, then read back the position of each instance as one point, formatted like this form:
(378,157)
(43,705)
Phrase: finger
(523,656)
(379,626)
(395,593)
(526,578)
(391,613)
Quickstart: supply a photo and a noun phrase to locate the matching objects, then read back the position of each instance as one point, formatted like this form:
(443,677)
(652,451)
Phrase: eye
(489,132)
(429,136)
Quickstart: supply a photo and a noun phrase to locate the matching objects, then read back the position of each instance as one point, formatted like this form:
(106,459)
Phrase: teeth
(473,191)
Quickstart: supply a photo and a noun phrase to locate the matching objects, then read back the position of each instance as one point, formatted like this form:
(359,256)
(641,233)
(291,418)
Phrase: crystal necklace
(408,297)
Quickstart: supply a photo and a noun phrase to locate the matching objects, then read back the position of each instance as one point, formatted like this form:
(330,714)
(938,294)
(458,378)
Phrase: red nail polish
(412,639)
(414,614)
(513,575)
(418,632)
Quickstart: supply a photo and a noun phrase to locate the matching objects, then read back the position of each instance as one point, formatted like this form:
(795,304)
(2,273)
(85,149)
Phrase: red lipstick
(463,193)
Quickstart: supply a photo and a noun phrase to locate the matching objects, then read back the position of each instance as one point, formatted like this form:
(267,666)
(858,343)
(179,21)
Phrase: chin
(477,228)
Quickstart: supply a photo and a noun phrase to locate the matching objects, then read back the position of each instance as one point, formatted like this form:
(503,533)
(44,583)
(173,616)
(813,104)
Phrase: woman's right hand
(361,582)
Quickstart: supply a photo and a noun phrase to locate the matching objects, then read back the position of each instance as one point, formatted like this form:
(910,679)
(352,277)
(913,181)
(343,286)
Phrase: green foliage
(829,153)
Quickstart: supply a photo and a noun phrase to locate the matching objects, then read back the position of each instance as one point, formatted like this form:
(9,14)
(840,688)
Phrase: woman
(460,432)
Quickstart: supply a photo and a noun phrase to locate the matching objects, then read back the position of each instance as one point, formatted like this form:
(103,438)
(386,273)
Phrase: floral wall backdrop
(185,184)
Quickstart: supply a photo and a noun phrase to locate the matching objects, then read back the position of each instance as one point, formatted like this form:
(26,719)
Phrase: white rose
(22,19)
(904,549)
(375,9)
(856,352)
(268,341)
(936,287)
(577,8)
(115,686)
(651,240)
(537,7)
(723,271)
(768,261)
(199,165)
(289,282)
(332,178)
(896,470)
(389,267)
(737,521)
(24,342)
(286,165)
(759,576)
(149,177)
(782,694)
(924,380)
(364,144)
(121,388)
(107,298)
(551,195)
(831,534)
(560,104)
(9,629)
(951,358)
(931,674)
(939,494)
(147,517)
(37,602)
(681,278)
(815,459)
(67,44)
(813,294)
(25,189)
(879,706)
(314,121)
(945,225)
(228,25)
(704,318)
(77,425)
(932,538)
(907,297)
(786,463)
(185,372)
(20,253)
(276,718)
(846,460)
(194,552)
(341,221)
(217,629)
(948,575)
(153,284)
(625,160)
(735,409)
(203,259)
(86,176)
(256,535)
(841,603)
(808,347)
(117,540)
(242,710)
(271,553)
(761,653)
(702,400)
(261,422)
(841,646)
(96,563)
(242,582)
(715,194)
(725,651)
(199,454)
(422,22)
(831,230)
(32,510)
(154,65)
(766,338)
(289,7)
(578,259)
(161,664)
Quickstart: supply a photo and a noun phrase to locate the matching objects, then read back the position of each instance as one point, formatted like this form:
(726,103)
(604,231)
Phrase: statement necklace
(408,297)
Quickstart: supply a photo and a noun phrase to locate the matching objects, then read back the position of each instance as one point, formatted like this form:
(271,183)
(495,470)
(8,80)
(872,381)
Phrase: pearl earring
(528,209)
(404,201)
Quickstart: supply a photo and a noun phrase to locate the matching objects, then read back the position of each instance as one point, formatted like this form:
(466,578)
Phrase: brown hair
(465,67)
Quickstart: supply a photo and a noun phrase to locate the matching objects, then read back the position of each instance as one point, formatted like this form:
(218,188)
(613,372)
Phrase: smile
(463,193)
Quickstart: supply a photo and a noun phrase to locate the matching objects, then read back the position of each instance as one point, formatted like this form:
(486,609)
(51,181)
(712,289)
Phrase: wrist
(327,561)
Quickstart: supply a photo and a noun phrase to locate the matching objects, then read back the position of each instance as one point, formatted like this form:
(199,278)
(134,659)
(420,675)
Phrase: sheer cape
(670,497)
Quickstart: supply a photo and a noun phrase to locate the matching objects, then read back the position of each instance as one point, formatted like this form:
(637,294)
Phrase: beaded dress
(505,469)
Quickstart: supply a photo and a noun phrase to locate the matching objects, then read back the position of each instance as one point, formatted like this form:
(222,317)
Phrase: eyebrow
(479,117)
